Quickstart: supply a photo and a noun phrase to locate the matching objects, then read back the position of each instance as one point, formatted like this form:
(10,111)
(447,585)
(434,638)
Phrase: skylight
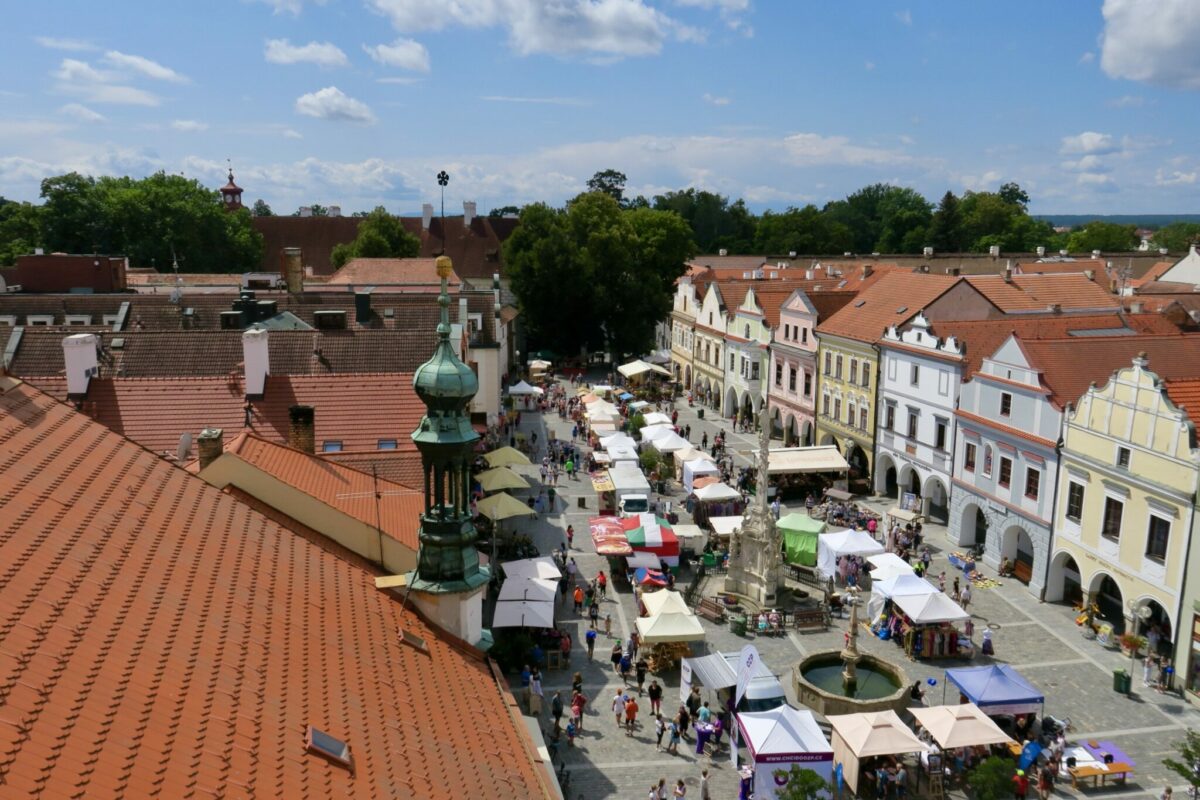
(413,640)
(901,309)
(387,444)
(860,303)
(321,743)
(331,446)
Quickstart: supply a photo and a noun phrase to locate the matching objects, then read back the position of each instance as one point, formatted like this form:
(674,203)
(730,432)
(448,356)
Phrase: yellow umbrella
(494,480)
(502,506)
(505,457)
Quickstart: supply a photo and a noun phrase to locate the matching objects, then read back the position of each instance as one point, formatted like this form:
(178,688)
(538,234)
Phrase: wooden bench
(1119,770)
(711,608)
(810,619)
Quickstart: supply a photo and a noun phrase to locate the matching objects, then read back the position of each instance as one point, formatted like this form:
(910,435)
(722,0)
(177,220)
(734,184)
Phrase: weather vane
(443,178)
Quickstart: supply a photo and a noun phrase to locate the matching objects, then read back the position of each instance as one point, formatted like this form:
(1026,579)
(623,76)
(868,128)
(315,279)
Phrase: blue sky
(1092,106)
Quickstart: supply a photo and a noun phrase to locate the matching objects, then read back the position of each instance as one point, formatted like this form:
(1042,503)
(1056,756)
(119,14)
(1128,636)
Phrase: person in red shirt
(602,584)
(631,709)
(1020,785)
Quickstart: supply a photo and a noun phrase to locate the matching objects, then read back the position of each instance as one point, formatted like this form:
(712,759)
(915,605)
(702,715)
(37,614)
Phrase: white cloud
(98,86)
(904,17)
(723,5)
(1087,57)
(189,125)
(330,103)
(15,129)
(568,28)
(142,66)
(1152,42)
(1089,163)
(550,101)
(323,54)
(289,133)
(907,140)
(1176,178)
(293,7)
(1127,101)
(982,183)
(1089,142)
(57,43)
(81,113)
(715,100)
(403,53)
(1096,181)
(400,81)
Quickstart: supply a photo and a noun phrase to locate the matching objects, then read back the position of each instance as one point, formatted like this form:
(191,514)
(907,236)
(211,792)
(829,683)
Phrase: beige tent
(689,454)
(664,601)
(960,726)
(502,505)
(876,733)
(501,478)
(676,627)
(505,457)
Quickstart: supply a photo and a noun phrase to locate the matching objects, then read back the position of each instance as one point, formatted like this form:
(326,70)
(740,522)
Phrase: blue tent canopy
(997,689)
(624,396)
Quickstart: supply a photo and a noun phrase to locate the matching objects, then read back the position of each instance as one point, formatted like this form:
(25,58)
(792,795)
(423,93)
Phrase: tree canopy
(380,235)
(716,223)
(1106,236)
(1176,237)
(595,275)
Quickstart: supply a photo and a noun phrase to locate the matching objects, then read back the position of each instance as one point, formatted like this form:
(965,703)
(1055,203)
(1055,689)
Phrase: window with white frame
(854,370)
(1005,476)
(1033,480)
(1157,536)
(1110,526)
(914,376)
(969,458)
(913,417)
(1074,501)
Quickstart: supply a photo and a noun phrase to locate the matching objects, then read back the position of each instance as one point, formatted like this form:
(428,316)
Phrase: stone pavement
(1039,639)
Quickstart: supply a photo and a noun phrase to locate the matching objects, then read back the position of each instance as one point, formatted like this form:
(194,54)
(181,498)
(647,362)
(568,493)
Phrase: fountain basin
(818,682)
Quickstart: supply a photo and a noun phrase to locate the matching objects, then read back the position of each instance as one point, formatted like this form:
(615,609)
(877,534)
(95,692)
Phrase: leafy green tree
(1177,236)
(802,784)
(1013,194)
(715,222)
(380,235)
(878,211)
(946,226)
(504,211)
(1189,758)
(609,182)
(904,217)
(71,215)
(261,209)
(1107,236)
(20,230)
(992,779)
(803,230)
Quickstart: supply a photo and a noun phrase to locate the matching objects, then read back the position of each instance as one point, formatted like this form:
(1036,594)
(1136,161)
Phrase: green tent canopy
(800,538)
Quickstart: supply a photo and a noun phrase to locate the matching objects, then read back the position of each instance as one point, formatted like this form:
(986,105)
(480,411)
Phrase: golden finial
(444,266)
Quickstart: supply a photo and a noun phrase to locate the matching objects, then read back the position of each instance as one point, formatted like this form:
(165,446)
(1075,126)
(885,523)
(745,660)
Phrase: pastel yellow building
(1125,512)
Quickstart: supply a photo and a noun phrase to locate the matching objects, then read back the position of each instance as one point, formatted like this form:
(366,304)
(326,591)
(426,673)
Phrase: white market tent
(638,405)
(779,738)
(643,558)
(690,454)
(691,537)
(694,469)
(617,440)
(725,526)
(620,453)
(887,565)
(639,367)
(848,542)
(715,492)
(542,567)
(894,587)
(656,418)
(669,443)
(652,432)
(797,460)
(958,726)
(930,609)
(536,589)
(523,614)
(664,601)
(524,388)
(875,733)
(670,627)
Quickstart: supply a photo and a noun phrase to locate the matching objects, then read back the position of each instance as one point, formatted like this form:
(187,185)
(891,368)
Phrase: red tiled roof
(399,466)
(356,410)
(1038,292)
(396,271)
(1185,394)
(829,303)
(337,486)
(893,299)
(982,338)
(1069,366)
(1097,265)
(1156,271)
(162,638)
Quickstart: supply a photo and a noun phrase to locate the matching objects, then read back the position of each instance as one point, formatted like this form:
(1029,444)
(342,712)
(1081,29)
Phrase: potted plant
(1131,643)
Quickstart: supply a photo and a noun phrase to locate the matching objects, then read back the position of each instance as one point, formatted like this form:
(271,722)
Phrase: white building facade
(920,376)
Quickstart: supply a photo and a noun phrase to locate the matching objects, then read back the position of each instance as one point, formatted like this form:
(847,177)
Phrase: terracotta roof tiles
(396,271)
(1035,293)
(1069,366)
(1185,394)
(893,299)
(161,637)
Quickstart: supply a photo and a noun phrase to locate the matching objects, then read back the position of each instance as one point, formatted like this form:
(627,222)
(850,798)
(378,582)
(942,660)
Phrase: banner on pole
(685,680)
(747,666)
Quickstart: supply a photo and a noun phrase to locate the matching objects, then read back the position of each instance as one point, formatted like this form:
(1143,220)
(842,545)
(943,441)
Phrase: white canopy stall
(848,542)
(779,738)
(694,469)
(638,368)
(796,460)
(524,388)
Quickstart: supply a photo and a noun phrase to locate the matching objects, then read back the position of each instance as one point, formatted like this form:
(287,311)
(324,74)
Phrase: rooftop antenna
(177,292)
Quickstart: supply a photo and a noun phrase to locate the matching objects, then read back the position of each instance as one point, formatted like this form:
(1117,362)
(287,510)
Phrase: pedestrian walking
(660,727)
(535,694)
(572,567)
(662,789)
(704,790)
(1147,669)
(593,615)
(640,669)
(1045,782)
(942,581)
(625,666)
(635,643)
(618,707)
(615,657)
(602,584)
(964,597)
(682,719)
(608,625)
(570,536)
(578,600)
(655,691)
(1020,785)
(955,595)
(578,702)
(590,636)
(556,711)
(673,742)
(680,790)
(631,712)
(988,648)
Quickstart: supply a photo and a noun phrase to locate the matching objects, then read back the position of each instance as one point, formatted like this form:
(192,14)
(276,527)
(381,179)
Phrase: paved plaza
(1040,640)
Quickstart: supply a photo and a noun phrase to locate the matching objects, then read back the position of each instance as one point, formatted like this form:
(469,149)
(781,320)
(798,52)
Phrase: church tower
(448,582)
(231,194)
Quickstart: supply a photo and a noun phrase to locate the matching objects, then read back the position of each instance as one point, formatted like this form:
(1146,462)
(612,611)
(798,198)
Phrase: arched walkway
(730,408)
(909,480)
(687,376)
(1017,547)
(860,463)
(1155,625)
(973,525)
(827,440)
(1065,584)
(777,431)
(885,476)
(1106,594)
(790,437)
(936,505)
(807,434)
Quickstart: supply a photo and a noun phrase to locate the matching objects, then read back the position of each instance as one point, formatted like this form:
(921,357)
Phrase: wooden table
(1118,770)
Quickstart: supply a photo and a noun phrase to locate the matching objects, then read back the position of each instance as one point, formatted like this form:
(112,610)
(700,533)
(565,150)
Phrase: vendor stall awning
(649,577)
(524,388)
(652,432)
(717,492)
(669,443)
(541,567)
(505,457)
(602,483)
(997,689)
(691,454)
(795,460)
(876,733)
(783,734)
(502,505)
(639,367)
(498,479)
(670,628)
(523,614)
(930,609)
(608,536)
(656,418)
(958,726)
(643,559)
(887,565)
(617,440)
(725,526)
(903,514)
(638,405)
(536,589)
(901,585)
(664,602)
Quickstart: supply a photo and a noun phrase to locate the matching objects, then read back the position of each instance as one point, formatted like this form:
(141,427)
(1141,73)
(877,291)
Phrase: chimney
(809,274)
(1041,250)
(496,305)
(1090,274)
(301,433)
(306,211)
(994,251)
(955,271)
(1054,308)
(362,306)
(462,312)
(79,353)
(722,252)
(468,212)
(335,211)
(923,269)
(256,359)
(293,269)
(1008,273)
(210,445)
(927,252)
(1136,307)
(869,270)
(426,215)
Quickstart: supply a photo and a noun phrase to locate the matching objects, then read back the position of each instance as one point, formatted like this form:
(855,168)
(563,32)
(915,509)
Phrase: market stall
(692,539)
(541,567)
(502,505)
(997,689)
(800,533)
(641,559)
(847,542)
(779,738)
(669,443)
(667,602)
(888,588)
(667,632)
(648,533)
(638,369)
(523,588)
(506,457)
(714,500)
(608,537)
(618,440)
(958,726)
(927,624)
(523,614)
(651,432)
(647,578)
(799,471)
(498,479)
(656,418)
(887,565)
(861,740)
(606,492)
(724,527)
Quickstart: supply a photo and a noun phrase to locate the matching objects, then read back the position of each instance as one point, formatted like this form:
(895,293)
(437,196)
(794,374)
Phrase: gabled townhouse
(710,359)
(682,326)
(1128,477)
(1009,423)
(792,376)
(1185,395)
(747,341)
